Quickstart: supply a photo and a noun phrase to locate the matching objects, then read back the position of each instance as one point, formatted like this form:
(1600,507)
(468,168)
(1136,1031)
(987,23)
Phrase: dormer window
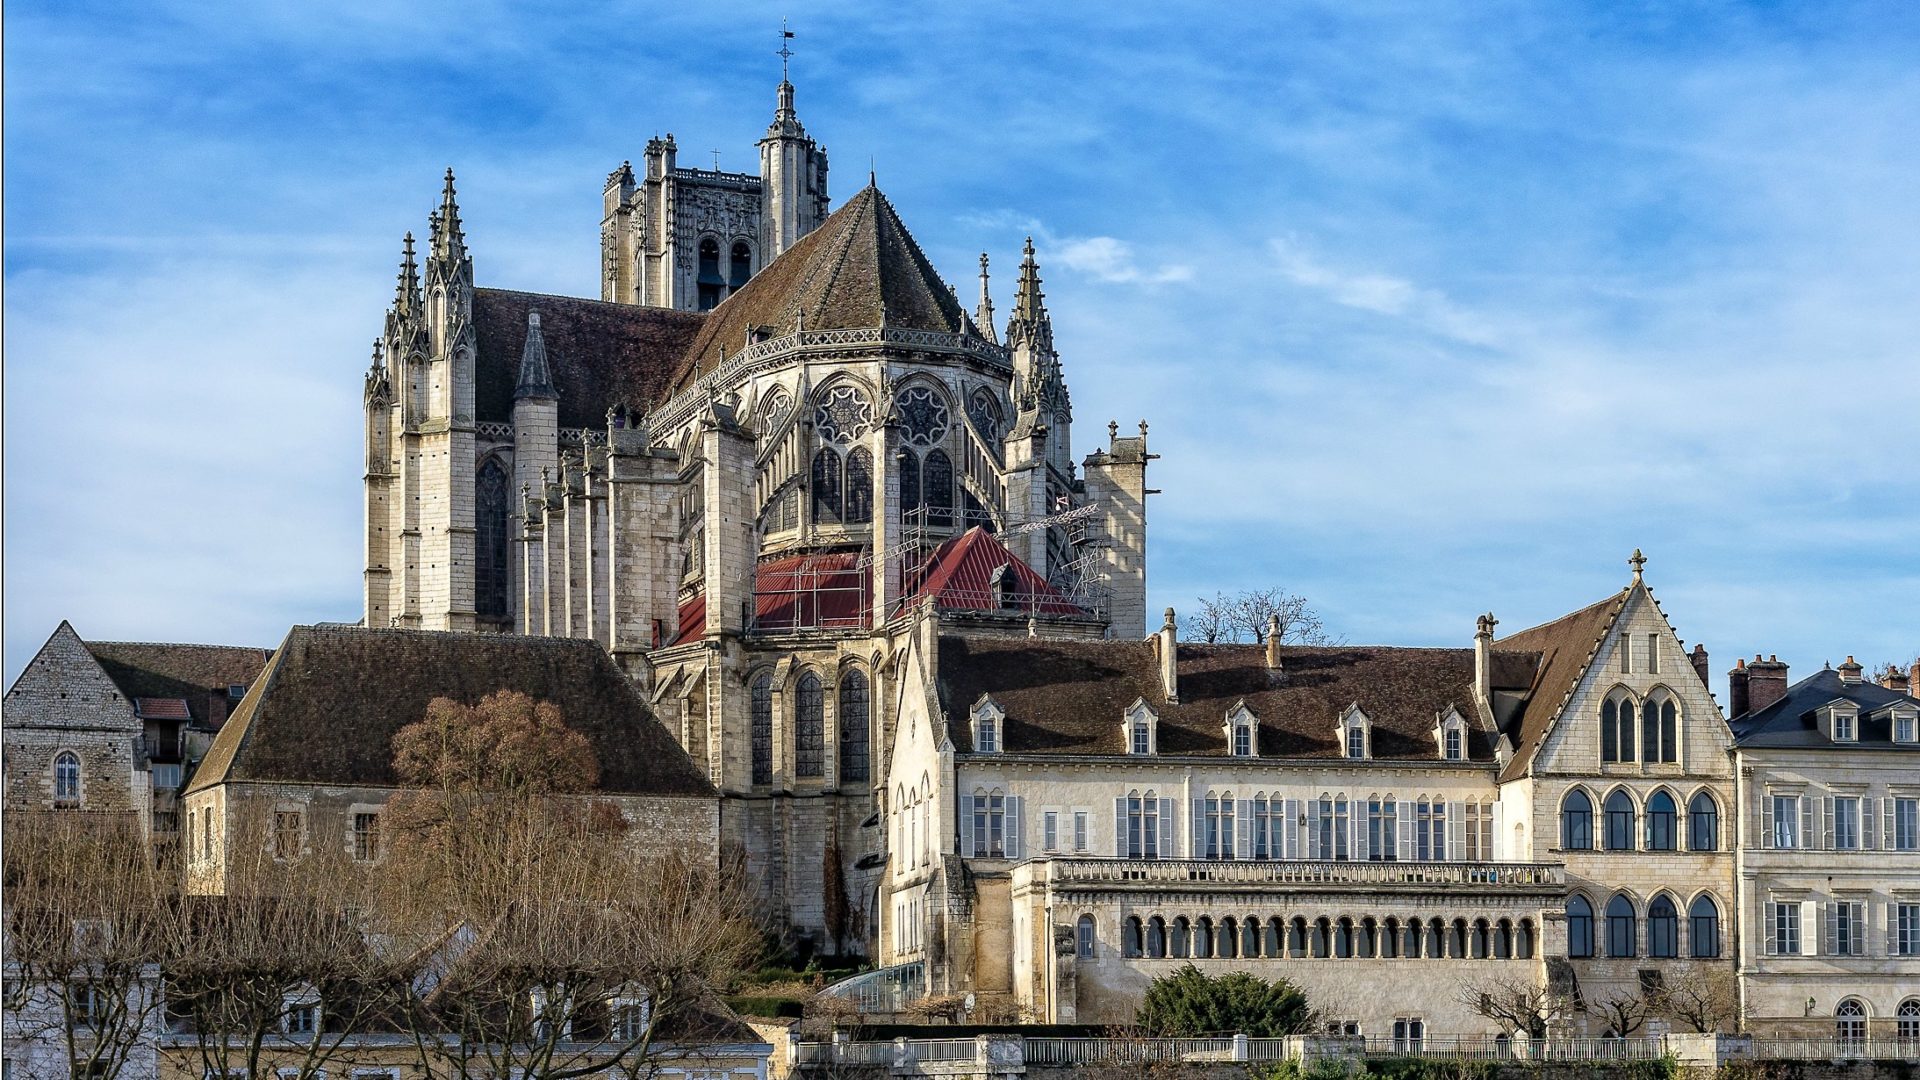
(1450,736)
(1243,732)
(1355,734)
(987,720)
(1140,725)
(1456,744)
(1906,727)
(1844,725)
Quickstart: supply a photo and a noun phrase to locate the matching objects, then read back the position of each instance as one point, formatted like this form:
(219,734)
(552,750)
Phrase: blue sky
(1434,309)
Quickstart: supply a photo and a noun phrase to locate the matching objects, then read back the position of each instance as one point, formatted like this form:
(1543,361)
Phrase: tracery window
(490,503)
(923,416)
(843,414)
(853,726)
(1659,731)
(827,492)
(984,410)
(1616,730)
(66,779)
(761,709)
(859,492)
(742,265)
(773,409)
(809,727)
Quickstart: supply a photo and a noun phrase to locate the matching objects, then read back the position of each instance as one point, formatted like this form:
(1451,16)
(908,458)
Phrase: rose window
(844,414)
(923,416)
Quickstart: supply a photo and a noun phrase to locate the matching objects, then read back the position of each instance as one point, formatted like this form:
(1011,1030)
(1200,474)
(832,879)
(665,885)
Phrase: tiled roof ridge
(1522,760)
(232,737)
(941,297)
(862,207)
(178,645)
(1568,617)
(582,300)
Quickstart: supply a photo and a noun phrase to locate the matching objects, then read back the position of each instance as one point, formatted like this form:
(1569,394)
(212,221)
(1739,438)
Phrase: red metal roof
(959,575)
(805,592)
(693,619)
(150,708)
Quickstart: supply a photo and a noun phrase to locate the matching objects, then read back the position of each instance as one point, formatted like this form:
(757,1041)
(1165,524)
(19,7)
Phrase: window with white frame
(987,717)
(1906,727)
(1354,733)
(1243,739)
(1080,828)
(1143,826)
(1783,928)
(1907,1020)
(989,823)
(301,1015)
(1479,830)
(1408,1033)
(1784,810)
(1430,830)
(1331,828)
(1906,929)
(1218,816)
(1845,725)
(627,1019)
(1906,824)
(1850,1021)
(166,776)
(1139,725)
(1456,740)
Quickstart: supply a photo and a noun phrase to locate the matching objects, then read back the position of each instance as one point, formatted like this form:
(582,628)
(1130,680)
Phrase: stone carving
(843,415)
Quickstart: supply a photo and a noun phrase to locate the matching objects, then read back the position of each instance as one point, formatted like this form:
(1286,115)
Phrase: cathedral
(775,439)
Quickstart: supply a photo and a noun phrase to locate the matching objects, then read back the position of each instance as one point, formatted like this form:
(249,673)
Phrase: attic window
(1906,727)
(1456,744)
(1140,726)
(1355,732)
(1243,732)
(1450,736)
(987,719)
(1844,727)
(237,690)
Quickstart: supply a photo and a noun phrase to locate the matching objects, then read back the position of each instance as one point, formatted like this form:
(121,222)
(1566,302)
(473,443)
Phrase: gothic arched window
(1619,810)
(1579,927)
(843,414)
(66,779)
(490,505)
(1703,928)
(1662,822)
(809,726)
(984,411)
(762,734)
(937,488)
(1659,724)
(710,282)
(909,484)
(859,499)
(742,265)
(853,726)
(1576,822)
(1703,823)
(1616,730)
(826,487)
(1663,928)
(1621,930)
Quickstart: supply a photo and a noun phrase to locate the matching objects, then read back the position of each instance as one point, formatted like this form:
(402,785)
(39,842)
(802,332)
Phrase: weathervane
(786,51)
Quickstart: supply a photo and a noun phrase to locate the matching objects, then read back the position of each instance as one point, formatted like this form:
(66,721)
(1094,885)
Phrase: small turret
(983,316)
(536,379)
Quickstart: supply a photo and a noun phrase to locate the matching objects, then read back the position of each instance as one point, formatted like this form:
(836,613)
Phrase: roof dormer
(989,725)
(1450,735)
(1140,728)
(1355,733)
(1840,720)
(1243,731)
(1903,722)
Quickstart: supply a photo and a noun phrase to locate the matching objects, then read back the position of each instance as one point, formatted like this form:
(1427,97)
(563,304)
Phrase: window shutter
(1243,828)
(1291,828)
(1403,821)
(1499,835)
(1867,822)
(966,827)
(1770,942)
(1197,830)
(1807,835)
(1830,932)
(1826,824)
(1809,928)
(1357,830)
(1766,820)
(1166,829)
(1016,837)
(1888,834)
(1120,826)
(1456,817)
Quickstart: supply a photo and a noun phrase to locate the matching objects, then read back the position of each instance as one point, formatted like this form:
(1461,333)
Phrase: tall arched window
(490,503)
(741,267)
(66,779)
(1229,939)
(1179,938)
(853,726)
(1850,1021)
(1662,822)
(1131,934)
(1907,1020)
(909,483)
(1250,938)
(809,727)
(1616,730)
(859,498)
(1523,944)
(1579,927)
(1663,928)
(1621,928)
(937,487)
(1619,810)
(1156,937)
(762,733)
(1703,928)
(710,282)
(1659,730)
(826,487)
(1703,823)
(1083,938)
(1203,939)
(1576,822)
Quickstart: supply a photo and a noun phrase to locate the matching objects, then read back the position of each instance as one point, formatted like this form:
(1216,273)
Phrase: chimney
(1483,659)
(1850,672)
(1895,680)
(1766,681)
(1700,668)
(1169,660)
(1737,689)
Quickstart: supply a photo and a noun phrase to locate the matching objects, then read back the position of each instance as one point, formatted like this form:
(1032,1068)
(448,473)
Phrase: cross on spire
(786,50)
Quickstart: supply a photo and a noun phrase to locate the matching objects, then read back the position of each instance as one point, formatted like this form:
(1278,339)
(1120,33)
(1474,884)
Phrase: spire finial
(786,50)
(983,315)
(1639,564)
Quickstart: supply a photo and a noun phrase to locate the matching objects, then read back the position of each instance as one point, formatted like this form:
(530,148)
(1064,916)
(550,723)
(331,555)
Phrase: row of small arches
(1661,822)
(1345,937)
(1617,932)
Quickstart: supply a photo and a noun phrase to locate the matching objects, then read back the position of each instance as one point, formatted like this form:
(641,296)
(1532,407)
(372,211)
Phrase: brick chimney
(1895,680)
(1766,682)
(1737,689)
(1850,672)
(1699,658)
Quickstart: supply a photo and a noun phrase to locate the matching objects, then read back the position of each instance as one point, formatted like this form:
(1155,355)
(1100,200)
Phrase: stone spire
(983,316)
(536,379)
(448,241)
(406,298)
(1030,322)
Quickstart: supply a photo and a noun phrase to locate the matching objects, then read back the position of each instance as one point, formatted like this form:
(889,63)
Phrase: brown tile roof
(600,354)
(1566,648)
(329,704)
(160,708)
(197,674)
(860,268)
(1067,697)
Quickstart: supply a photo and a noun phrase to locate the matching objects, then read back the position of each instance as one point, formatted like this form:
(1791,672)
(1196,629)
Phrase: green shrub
(1189,1003)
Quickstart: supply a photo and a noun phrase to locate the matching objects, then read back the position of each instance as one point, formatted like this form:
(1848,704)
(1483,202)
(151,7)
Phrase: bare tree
(1704,998)
(90,922)
(1517,1004)
(277,976)
(547,948)
(1625,1013)
(1247,614)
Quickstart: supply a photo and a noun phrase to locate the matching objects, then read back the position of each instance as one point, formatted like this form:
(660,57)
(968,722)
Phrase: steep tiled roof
(1792,720)
(328,706)
(149,708)
(1068,697)
(600,354)
(1566,647)
(959,576)
(197,674)
(860,268)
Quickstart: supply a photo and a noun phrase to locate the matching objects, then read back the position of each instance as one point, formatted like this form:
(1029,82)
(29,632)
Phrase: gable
(64,687)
